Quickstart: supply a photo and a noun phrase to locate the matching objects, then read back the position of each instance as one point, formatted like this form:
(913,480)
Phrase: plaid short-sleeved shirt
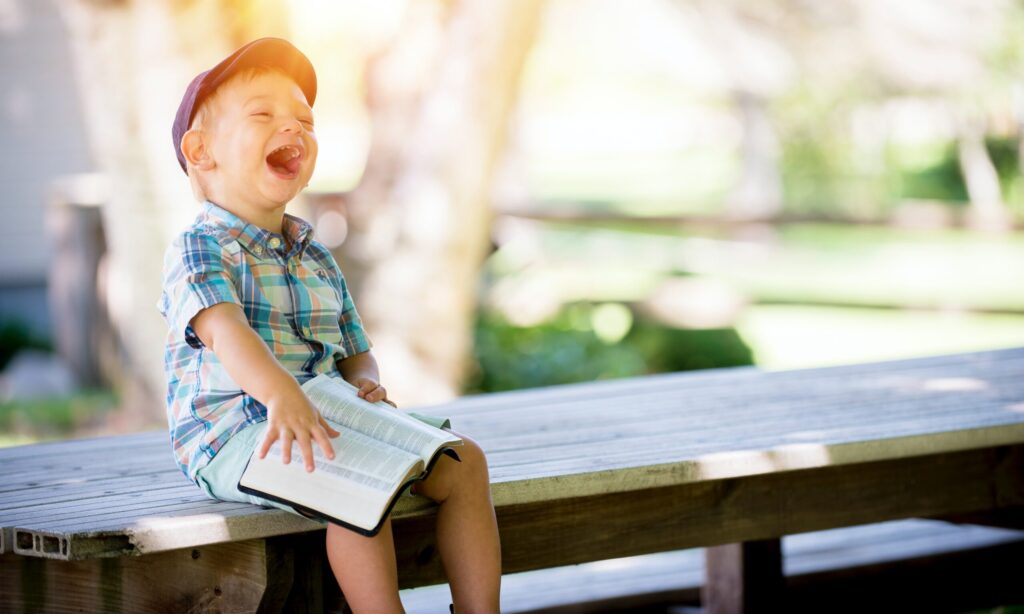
(295,298)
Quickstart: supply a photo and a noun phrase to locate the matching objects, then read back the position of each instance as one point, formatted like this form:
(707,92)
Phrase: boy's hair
(205,115)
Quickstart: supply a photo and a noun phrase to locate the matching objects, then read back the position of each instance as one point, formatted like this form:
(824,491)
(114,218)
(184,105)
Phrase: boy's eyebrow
(264,97)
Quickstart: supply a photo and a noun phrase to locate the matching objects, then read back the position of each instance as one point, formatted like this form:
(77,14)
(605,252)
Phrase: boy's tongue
(282,162)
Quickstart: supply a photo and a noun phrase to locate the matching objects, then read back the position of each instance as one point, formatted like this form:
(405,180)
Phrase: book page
(355,486)
(357,457)
(350,501)
(337,401)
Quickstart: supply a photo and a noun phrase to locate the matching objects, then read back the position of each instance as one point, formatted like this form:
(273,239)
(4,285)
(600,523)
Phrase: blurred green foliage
(932,174)
(560,351)
(55,416)
(16,336)
(824,173)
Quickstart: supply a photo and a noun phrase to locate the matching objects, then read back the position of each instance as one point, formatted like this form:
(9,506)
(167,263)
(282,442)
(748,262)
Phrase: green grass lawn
(792,337)
(815,292)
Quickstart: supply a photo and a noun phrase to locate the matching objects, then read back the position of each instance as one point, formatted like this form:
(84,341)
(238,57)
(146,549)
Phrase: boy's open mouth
(285,161)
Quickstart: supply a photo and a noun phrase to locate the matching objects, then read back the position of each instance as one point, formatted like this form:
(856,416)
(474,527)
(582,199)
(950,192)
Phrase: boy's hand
(296,418)
(372,391)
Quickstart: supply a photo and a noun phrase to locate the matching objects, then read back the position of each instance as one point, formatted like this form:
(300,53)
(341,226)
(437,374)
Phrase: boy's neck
(272,219)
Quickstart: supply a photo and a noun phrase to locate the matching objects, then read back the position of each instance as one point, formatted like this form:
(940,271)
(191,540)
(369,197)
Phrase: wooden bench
(728,459)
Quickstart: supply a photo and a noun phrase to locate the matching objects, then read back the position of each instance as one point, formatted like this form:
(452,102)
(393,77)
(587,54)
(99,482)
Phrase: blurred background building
(525,193)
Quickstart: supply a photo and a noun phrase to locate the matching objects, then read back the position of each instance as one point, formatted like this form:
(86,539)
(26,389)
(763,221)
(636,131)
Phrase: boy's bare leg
(365,569)
(467,531)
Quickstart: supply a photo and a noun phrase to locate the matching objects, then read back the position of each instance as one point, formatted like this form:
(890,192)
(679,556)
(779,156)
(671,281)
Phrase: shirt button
(305,330)
(258,250)
(274,242)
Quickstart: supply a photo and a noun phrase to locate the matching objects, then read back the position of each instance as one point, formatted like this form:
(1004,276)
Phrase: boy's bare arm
(290,415)
(361,371)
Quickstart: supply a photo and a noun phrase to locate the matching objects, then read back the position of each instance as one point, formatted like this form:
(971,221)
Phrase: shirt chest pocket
(322,302)
(271,290)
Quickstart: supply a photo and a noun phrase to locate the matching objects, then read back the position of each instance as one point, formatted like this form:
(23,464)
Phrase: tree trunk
(986,212)
(420,219)
(758,193)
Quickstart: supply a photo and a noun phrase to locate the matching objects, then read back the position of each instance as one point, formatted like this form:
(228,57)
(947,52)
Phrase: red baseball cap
(273,52)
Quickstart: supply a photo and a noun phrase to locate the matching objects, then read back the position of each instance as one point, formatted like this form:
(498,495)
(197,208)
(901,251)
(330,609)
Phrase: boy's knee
(474,460)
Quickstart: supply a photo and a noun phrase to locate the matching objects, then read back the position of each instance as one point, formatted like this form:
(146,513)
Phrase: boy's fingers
(331,431)
(366,386)
(268,441)
(286,446)
(307,451)
(325,443)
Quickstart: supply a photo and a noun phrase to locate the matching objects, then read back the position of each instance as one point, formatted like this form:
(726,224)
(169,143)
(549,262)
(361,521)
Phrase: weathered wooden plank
(589,477)
(213,522)
(124,518)
(698,418)
(671,444)
(81,473)
(574,530)
(126,511)
(101,487)
(676,437)
(781,385)
(742,379)
(103,443)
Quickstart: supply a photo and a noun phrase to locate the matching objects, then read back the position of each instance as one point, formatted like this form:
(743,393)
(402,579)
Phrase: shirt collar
(258,241)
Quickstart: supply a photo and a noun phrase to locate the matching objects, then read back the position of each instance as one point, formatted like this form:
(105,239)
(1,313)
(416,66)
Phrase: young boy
(256,306)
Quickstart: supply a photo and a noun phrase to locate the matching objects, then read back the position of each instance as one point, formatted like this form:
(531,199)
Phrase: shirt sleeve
(354,339)
(353,336)
(197,275)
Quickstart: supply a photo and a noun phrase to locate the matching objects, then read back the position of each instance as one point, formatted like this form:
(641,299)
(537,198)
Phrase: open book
(380,451)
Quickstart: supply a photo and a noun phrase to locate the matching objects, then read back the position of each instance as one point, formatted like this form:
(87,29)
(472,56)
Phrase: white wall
(41,133)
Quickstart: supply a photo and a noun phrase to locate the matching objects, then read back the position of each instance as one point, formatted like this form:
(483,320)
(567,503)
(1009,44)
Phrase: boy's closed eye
(305,121)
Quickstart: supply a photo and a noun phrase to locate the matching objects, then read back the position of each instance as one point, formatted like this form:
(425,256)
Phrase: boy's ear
(193,147)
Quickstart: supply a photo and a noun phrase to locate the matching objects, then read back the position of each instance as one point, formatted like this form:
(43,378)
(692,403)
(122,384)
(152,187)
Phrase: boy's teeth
(289,151)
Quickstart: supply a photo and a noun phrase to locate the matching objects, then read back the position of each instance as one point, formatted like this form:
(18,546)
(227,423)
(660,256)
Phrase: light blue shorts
(219,478)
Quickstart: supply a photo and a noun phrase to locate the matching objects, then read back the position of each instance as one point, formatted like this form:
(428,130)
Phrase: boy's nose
(292,125)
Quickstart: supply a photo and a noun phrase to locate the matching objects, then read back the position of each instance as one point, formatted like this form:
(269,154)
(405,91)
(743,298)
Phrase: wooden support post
(310,571)
(745,577)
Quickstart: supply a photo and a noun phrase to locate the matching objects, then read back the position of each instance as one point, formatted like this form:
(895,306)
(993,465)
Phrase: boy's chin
(283,191)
